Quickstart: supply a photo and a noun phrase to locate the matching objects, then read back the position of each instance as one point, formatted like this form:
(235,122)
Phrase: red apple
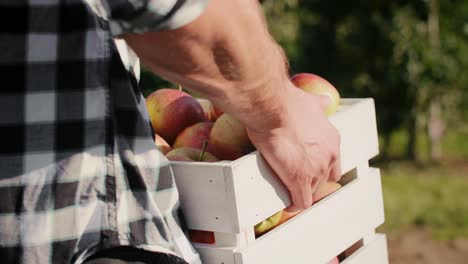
(352,249)
(229,139)
(319,86)
(216,113)
(162,145)
(194,136)
(201,236)
(211,111)
(171,111)
(190,154)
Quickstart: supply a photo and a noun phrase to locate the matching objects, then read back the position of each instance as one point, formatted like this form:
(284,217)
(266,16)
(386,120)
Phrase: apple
(162,145)
(190,154)
(201,236)
(352,249)
(211,111)
(324,190)
(194,136)
(171,111)
(229,139)
(287,214)
(317,85)
(282,216)
(267,224)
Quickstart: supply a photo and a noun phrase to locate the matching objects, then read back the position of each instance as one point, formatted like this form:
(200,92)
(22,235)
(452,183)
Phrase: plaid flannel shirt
(79,171)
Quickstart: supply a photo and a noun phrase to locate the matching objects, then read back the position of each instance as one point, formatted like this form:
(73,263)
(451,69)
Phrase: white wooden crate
(230,197)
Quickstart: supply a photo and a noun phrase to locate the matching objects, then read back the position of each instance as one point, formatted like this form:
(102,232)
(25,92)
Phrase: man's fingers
(315,183)
(301,197)
(335,173)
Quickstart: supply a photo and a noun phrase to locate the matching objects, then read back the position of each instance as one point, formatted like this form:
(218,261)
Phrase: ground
(426,210)
(417,246)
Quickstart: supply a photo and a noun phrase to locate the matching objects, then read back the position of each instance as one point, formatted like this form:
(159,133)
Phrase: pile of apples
(194,129)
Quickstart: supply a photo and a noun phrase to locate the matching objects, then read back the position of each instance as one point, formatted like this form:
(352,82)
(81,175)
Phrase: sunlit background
(412,58)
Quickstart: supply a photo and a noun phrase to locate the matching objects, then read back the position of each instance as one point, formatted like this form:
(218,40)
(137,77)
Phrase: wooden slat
(373,253)
(324,230)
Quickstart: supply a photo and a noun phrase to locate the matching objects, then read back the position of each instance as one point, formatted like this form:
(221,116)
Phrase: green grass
(456,144)
(435,198)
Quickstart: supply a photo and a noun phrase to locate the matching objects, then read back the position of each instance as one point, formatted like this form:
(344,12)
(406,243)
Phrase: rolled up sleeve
(139,16)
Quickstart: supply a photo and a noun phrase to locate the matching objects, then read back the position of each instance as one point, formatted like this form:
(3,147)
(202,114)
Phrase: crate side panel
(259,193)
(352,213)
(204,198)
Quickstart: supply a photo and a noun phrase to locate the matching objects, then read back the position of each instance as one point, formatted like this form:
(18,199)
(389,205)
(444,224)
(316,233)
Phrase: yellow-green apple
(162,145)
(267,224)
(194,136)
(317,85)
(229,139)
(211,111)
(171,111)
(322,191)
(190,154)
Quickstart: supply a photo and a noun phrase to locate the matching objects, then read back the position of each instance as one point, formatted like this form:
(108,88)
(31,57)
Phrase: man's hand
(304,150)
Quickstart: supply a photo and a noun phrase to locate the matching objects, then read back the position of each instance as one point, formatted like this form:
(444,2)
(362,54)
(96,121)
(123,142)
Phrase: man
(81,179)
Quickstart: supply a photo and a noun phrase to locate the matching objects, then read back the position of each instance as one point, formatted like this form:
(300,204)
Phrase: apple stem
(203,153)
(180,87)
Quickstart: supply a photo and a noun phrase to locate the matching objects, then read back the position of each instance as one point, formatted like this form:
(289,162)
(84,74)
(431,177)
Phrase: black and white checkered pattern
(78,168)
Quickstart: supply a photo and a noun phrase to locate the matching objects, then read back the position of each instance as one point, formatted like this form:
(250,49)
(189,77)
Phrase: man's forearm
(228,56)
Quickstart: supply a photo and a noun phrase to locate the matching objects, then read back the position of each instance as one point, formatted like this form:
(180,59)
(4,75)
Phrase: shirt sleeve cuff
(159,15)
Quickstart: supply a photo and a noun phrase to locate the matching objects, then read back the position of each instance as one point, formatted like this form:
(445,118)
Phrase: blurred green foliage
(454,144)
(385,50)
